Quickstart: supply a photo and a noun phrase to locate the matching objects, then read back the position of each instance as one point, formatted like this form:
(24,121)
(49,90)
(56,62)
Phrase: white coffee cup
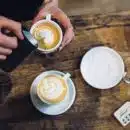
(48,19)
(63,78)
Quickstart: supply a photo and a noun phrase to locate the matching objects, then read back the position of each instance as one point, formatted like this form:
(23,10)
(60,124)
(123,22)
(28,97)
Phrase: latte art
(52,89)
(47,34)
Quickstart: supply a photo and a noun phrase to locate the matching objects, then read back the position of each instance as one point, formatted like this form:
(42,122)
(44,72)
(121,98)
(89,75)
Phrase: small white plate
(102,68)
(57,108)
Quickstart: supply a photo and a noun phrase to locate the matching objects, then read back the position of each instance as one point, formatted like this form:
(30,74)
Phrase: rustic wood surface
(93,109)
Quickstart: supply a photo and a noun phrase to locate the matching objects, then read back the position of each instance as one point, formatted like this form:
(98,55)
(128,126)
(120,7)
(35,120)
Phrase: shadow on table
(18,110)
(22,110)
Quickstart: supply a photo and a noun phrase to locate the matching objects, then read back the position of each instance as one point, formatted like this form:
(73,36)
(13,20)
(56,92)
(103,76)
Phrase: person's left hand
(51,8)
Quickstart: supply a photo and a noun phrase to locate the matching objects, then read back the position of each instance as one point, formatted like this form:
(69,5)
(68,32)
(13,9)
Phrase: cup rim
(57,26)
(45,101)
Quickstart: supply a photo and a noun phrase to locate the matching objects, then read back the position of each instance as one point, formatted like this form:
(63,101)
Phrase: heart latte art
(52,89)
(47,34)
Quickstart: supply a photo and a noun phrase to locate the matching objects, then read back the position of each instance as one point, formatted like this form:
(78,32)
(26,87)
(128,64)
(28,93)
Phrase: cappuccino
(52,89)
(47,35)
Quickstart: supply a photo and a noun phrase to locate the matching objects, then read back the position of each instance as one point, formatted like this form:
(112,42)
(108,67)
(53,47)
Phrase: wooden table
(93,109)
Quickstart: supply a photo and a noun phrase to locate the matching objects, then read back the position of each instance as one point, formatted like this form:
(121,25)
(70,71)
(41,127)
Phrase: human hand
(51,8)
(8,43)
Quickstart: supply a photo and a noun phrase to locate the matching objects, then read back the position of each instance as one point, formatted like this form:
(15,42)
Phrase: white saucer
(57,108)
(102,68)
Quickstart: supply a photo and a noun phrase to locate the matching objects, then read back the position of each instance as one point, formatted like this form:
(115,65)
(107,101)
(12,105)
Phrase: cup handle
(48,17)
(66,76)
(126,78)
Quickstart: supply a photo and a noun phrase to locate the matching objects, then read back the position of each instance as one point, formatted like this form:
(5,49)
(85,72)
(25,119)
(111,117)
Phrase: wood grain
(93,109)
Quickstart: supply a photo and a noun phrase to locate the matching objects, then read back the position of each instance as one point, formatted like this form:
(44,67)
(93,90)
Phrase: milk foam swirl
(52,88)
(46,35)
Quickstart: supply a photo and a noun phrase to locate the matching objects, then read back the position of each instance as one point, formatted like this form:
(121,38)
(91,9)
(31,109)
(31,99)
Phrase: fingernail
(60,48)
(21,36)
(4,57)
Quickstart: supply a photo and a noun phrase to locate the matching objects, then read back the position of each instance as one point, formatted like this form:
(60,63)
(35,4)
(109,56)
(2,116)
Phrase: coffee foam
(47,35)
(52,88)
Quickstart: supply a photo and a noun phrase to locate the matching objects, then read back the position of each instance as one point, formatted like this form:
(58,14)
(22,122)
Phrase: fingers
(12,26)
(56,13)
(61,17)
(5,51)
(8,42)
(3,57)
(40,15)
(68,37)
(6,46)
(45,10)
(51,3)
(65,43)
(65,21)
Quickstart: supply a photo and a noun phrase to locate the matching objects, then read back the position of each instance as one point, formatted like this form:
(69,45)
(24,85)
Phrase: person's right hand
(8,43)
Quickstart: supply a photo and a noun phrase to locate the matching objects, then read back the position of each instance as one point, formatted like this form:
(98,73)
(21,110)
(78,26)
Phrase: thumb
(39,16)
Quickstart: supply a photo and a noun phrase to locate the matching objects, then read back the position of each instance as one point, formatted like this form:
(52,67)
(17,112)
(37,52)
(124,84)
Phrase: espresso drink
(47,35)
(52,89)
